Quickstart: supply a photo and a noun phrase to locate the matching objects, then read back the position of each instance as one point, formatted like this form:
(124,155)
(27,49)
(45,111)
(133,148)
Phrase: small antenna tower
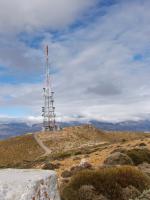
(48,111)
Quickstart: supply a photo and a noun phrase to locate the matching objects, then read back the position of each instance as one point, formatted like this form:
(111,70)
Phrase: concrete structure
(32,184)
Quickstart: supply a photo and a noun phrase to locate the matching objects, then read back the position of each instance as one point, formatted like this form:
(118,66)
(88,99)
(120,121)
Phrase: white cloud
(28,15)
(97,76)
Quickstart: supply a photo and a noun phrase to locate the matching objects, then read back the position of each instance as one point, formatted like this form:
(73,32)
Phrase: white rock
(30,184)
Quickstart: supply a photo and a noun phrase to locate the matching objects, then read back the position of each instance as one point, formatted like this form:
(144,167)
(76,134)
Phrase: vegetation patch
(17,150)
(139,156)
(108,182)
(144,196)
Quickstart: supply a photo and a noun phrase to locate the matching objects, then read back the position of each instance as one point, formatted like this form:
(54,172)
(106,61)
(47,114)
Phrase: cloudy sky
(99,52)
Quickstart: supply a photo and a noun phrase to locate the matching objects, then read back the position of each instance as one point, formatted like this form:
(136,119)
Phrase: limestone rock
(118,159)
(30,184)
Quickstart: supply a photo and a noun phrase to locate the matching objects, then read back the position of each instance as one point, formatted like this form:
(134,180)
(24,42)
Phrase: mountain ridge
(19,128)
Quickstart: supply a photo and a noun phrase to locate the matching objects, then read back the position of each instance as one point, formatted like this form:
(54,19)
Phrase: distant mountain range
(17,128)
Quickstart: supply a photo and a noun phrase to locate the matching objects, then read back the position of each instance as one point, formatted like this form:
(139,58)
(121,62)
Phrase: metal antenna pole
(48,111)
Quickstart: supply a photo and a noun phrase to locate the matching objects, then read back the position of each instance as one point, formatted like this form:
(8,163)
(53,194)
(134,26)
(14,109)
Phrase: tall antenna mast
(48,111)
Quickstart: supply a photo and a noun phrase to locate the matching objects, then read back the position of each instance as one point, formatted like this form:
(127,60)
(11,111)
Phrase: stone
(28,184)
(84,164)
(118,159)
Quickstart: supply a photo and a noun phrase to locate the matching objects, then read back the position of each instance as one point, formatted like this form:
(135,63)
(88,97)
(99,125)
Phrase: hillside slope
(24,151)
(18,149)
(72,138)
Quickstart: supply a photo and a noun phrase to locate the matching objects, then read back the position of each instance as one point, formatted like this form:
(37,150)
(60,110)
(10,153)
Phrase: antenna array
(48,111)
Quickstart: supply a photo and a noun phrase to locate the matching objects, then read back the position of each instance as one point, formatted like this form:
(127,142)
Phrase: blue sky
(99,52)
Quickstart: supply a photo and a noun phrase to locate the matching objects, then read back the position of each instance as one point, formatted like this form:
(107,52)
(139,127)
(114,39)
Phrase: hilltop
(64,145)
(8,129)
(21,149)
(78,149)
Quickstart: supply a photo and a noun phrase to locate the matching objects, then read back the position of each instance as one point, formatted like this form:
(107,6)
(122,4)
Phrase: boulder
(118,158)
(84,164)
(30,184)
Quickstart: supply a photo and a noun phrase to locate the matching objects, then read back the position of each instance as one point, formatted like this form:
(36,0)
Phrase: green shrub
(61,155)
(139,156)
(108,182)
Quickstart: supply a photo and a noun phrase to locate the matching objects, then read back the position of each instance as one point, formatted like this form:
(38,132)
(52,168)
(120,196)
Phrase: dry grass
(139,155)
(66,145)
(124,136)
(18,149)
(73,137)
(108,182)
(83,136)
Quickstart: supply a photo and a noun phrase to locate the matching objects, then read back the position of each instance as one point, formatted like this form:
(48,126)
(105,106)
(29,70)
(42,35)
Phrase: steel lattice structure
(48,111)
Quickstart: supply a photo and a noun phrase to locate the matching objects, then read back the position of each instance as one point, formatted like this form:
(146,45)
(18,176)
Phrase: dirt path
(42,145)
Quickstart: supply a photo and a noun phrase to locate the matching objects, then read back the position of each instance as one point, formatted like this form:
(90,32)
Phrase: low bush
(139,156)
(144,196)
(108,182)
(61,155)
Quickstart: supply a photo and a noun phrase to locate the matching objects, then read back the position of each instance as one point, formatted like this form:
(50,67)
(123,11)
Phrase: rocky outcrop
(118,159)
(19,184)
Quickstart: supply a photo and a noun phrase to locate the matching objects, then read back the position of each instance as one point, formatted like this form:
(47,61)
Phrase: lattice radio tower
(48,111)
